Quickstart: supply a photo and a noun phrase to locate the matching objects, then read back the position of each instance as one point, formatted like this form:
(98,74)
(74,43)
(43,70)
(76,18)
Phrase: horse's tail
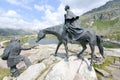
(100,45)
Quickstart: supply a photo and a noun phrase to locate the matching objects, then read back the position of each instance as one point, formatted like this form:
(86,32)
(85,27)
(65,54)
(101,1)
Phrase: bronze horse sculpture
(86,37)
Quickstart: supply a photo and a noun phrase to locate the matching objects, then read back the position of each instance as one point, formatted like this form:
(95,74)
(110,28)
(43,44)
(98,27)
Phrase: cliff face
(109,15)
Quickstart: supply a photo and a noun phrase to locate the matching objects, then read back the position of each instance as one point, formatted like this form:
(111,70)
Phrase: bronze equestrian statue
(71,31)
(87,37)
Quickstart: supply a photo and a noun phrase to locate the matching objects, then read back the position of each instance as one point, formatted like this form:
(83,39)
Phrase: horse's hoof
(78,55)
(104,57)
(90,68)
(55,55)
(66,59)
(91,65)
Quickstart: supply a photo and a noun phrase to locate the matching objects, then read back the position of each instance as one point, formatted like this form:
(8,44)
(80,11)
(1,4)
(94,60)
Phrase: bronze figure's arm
(27,48)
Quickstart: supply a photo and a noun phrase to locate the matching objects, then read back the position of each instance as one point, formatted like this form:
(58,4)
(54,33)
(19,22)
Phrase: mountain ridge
(10,31)
(106,6)
(104,20)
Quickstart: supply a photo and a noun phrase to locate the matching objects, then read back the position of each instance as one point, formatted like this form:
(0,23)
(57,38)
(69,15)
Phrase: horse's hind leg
(92,46)
(57,48)
(66,49)
(84,48)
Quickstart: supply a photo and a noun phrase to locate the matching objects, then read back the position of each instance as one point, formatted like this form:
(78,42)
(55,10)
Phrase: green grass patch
(102,24)
(27,38)
(6,43)
(99,76)
(110,45)
(3,38)
(23,39)
(115,35)
(107,62)
(4,72)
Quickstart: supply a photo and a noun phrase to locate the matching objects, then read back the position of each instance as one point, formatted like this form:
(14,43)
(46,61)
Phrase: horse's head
(40,36)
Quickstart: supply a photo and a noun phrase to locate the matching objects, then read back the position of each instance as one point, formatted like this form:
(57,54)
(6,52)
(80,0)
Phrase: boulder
(5,78)
(9,78)
(32,72)
(103,72)
(75,69)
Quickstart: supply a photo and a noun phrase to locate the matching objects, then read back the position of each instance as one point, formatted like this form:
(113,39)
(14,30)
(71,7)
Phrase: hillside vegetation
(104,20)
(9,32)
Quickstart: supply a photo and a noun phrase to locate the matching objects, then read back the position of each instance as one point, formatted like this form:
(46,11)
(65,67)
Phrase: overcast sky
(39,14)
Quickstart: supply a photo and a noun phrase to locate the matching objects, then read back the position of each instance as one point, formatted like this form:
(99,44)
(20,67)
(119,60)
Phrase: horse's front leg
(57,48)
(66,49)
(84,48)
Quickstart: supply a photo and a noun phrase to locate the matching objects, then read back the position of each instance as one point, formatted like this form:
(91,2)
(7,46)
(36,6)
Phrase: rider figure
(71,25)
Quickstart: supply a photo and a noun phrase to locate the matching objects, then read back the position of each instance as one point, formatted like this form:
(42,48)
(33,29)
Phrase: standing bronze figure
(12,55)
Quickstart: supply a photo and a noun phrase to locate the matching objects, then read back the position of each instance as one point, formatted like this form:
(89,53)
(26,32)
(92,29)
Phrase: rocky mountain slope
(104,20)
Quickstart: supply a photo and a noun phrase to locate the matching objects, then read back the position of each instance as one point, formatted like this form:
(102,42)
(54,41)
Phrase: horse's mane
(55,30)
